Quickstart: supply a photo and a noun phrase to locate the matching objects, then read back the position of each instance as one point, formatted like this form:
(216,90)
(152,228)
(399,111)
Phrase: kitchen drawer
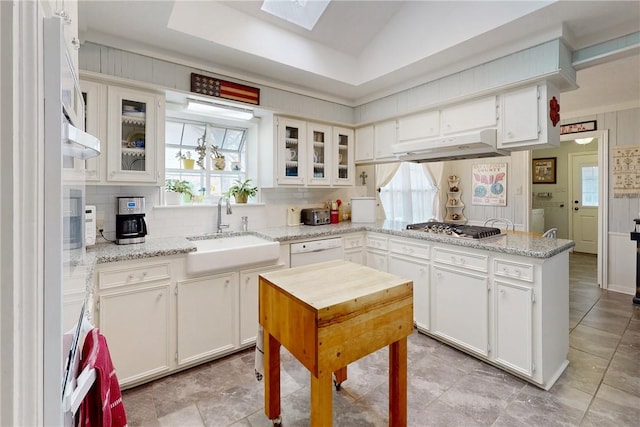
(352,242)
(467,260)
(514,270)
(127,275)
(410,249)
(380,243)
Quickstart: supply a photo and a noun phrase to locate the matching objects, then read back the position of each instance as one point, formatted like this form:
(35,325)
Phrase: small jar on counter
(333,213)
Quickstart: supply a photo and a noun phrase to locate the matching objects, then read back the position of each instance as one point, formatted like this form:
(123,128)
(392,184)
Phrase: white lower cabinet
(136,324)
(157,320)
(249,303)
(353,248)
(376,252)
(514,326)
(509,310)
(418,272)
(135,313)
(460,307)
(207,314)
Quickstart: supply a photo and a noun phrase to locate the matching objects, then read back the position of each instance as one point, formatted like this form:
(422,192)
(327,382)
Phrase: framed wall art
(489,184)
(544,170)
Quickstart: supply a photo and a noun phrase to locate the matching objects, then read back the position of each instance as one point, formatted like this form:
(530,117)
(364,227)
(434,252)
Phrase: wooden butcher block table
(329,315)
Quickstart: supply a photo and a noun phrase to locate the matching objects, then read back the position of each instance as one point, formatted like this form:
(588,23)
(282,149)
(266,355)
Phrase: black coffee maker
(130,224)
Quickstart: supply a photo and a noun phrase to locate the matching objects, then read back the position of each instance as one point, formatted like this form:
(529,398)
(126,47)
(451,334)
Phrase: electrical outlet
(100,224)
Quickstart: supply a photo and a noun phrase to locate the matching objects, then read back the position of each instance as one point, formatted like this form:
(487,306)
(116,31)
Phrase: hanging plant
(201,149)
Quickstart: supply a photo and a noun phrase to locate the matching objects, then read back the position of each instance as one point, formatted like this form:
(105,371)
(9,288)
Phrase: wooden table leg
(271,376)
(398,383)
(340,376)
(321,400)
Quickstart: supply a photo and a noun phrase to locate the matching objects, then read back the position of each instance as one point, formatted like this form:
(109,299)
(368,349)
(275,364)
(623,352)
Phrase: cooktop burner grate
(455,230)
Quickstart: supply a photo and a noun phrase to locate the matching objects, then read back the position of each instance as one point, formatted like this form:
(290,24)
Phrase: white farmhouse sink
(231,253)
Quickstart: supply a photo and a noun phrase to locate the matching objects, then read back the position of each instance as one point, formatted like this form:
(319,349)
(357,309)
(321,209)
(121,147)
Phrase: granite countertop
(152,247)
(521,244)
(515,244)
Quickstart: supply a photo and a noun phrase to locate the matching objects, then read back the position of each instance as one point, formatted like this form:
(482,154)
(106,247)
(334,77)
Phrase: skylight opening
(303,13)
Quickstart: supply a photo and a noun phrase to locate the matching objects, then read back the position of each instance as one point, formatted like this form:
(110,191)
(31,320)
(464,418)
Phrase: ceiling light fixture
(219,110)
(303,13)
(583,141)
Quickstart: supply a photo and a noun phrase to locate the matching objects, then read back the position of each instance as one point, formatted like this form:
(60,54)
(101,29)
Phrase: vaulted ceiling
(363,50)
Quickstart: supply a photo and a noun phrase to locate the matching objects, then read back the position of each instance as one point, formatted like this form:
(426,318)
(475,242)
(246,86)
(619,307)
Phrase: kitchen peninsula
(503,299)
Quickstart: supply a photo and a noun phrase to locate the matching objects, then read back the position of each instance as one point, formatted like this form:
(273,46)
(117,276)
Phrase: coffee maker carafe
(130,224)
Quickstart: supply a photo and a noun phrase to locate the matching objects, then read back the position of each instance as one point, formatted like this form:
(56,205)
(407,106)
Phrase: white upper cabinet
(134,136)
(385,134)
(419,126)
(374,142)
(318,154)
(527,118)
(343,149)
(313,154)
(364,144)
(469,116)
(291,144)
(95,123)
(130,125)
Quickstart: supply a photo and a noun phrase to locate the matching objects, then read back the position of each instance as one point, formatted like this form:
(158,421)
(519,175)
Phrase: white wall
(186,220)
(477,214)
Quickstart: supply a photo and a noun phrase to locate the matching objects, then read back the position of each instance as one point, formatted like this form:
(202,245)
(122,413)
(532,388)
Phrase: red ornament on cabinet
(554,111)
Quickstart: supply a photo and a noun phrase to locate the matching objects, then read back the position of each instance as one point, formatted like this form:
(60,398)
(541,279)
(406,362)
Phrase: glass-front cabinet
(319,154)
(313,154)
(291,140)
(343,143)
(133,135)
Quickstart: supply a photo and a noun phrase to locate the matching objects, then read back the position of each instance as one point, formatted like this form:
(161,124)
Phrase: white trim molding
(21,324)
(603,194)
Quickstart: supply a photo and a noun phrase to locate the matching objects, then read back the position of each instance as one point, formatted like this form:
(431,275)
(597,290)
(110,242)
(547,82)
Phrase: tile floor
(601,386)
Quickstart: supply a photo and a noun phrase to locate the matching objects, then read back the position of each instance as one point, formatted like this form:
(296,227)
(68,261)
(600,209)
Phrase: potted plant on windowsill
(241,191)
(187,161)
(218,158)
(177,191)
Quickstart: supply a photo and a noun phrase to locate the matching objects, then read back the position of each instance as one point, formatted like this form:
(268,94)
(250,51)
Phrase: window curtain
(434,172)
(410,194)
(383,173)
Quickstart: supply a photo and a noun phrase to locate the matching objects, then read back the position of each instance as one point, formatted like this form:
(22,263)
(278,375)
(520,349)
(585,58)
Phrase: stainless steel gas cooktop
(455,230)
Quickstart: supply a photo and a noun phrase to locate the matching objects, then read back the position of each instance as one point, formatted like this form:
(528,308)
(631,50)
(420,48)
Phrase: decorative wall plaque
(222,89)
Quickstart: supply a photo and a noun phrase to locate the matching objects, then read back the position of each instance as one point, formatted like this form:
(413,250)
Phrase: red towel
(103,406)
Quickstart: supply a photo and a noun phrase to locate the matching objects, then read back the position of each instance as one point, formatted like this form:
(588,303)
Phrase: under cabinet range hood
(78,144)
(455,147)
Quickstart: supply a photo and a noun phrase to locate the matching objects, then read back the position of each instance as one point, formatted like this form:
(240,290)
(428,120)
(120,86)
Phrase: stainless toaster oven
(315,216)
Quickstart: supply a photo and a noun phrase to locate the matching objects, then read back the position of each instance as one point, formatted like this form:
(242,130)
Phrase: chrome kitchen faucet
(220,225)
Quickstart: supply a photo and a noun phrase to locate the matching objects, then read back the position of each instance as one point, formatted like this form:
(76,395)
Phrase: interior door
(584,202)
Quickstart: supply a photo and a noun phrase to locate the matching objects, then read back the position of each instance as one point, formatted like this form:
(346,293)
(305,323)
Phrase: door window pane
(589,185)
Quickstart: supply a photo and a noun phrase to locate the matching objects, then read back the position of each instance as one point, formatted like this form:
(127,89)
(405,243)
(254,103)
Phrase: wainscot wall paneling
(115,62)
(622,252)
(552,58)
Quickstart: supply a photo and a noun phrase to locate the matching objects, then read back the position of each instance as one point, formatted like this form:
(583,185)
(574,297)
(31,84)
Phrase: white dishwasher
(315,251)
